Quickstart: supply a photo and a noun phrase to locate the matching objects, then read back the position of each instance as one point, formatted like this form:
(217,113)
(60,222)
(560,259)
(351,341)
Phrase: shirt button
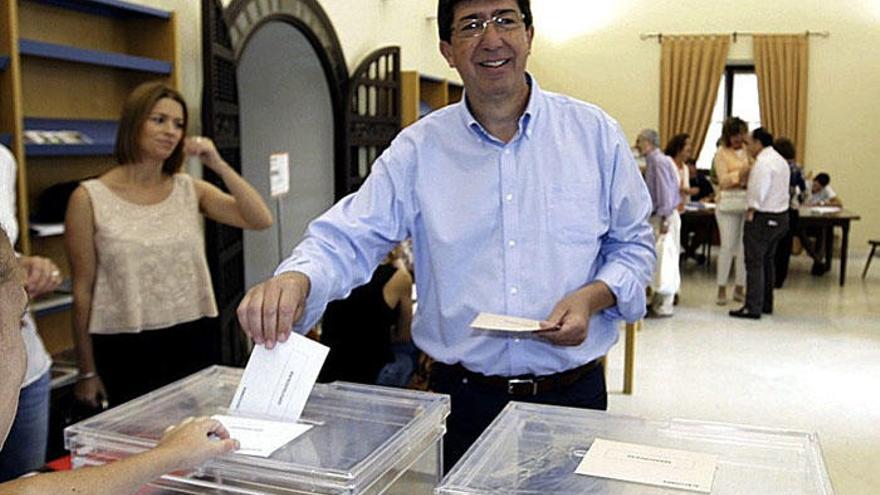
(509,197)
(513,290)
(507,152)
(511,243)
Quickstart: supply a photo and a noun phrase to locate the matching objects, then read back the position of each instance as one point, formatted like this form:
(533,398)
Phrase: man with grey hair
(662,180)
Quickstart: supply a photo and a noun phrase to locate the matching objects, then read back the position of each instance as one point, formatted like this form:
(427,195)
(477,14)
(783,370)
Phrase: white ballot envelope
(656,466)
(260,438)
(277,382)
(502,323)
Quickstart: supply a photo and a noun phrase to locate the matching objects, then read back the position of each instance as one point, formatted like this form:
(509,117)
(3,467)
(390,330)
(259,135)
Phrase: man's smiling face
(493,64)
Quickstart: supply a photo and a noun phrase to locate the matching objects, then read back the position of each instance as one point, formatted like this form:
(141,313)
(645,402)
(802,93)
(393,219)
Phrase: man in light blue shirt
(519,202)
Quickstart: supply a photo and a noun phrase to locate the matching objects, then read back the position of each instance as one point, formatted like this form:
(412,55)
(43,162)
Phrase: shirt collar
(533,108)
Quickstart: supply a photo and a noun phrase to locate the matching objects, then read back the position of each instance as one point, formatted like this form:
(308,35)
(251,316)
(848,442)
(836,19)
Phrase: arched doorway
(286,110)
(275,81)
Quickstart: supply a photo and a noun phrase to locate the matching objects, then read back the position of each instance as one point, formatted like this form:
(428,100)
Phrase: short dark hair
(446,16)
(135,112)
(784,147)
(823,179)
(731,127)
(676,144)
(764,136)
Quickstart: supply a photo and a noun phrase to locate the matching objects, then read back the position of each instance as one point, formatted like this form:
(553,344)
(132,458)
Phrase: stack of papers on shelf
(56,137)
(47,229)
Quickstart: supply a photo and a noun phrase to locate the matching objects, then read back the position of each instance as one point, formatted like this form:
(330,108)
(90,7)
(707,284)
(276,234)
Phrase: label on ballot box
(668,468)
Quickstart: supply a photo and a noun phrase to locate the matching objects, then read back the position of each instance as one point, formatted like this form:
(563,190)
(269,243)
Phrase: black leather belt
(524,385)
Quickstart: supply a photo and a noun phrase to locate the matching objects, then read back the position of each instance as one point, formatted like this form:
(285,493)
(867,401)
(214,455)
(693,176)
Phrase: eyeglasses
(474,28)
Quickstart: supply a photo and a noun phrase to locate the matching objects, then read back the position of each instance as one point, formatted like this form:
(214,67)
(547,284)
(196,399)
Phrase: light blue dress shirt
(508,228)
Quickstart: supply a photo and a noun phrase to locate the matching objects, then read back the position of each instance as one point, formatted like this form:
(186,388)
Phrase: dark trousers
(761,238)
(783,251)
(132,364)
(475,405)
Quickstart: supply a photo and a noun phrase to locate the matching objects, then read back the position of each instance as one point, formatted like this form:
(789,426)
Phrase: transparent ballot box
(365,440)
(535,449)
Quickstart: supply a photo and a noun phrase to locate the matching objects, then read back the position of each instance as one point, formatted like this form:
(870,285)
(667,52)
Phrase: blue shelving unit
(101,132)
(36,48)
(108,8)
(4,61)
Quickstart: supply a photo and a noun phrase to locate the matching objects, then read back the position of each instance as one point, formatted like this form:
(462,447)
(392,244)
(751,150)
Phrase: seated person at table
(692,238)
(821,193)
(184,446)
(815,238)
(699,179)
(359,328)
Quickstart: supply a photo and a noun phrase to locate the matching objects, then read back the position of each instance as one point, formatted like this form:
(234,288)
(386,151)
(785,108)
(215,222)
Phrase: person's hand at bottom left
(194,441)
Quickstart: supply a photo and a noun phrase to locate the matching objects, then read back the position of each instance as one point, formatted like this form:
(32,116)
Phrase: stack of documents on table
(823,210)
(271,395)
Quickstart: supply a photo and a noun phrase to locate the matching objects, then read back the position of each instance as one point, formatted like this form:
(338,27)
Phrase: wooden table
(704,218)
(810,217)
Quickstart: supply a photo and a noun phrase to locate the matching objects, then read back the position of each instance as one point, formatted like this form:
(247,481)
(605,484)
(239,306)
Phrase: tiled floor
(814,365)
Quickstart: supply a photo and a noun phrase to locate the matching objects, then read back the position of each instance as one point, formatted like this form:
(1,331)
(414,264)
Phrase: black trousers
(761,238)
(783,251)
(475,405)
(132,364)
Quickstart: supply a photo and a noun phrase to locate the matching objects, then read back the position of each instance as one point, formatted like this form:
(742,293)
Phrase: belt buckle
(513,382)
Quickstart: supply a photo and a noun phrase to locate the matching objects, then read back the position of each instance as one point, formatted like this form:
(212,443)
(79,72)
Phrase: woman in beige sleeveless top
(731,167)
(141,287)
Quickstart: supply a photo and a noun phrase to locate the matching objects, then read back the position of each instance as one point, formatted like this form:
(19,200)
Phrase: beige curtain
(690,72)
(781,67)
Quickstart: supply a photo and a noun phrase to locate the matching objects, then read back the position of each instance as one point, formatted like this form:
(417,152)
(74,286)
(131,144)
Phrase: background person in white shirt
(766,223)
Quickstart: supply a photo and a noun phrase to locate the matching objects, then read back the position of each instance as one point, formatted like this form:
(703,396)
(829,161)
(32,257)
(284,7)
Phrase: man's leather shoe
(767,311)
(744,313)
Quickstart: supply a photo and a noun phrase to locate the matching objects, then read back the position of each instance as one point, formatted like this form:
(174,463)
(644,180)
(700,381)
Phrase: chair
(874,243)
(629,356)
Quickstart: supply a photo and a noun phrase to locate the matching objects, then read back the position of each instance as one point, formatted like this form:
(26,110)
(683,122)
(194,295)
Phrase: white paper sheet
(279,174)
(260,438)
(656,466)
(823,210)
(276,383)
(502,323)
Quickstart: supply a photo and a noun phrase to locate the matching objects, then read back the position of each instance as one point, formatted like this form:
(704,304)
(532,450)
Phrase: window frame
(730,70)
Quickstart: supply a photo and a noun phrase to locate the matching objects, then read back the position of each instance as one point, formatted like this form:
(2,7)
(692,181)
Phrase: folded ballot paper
(504,323)
(272,393)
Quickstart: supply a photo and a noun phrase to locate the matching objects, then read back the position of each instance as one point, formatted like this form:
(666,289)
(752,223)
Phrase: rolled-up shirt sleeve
(627,254)
(343,246)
